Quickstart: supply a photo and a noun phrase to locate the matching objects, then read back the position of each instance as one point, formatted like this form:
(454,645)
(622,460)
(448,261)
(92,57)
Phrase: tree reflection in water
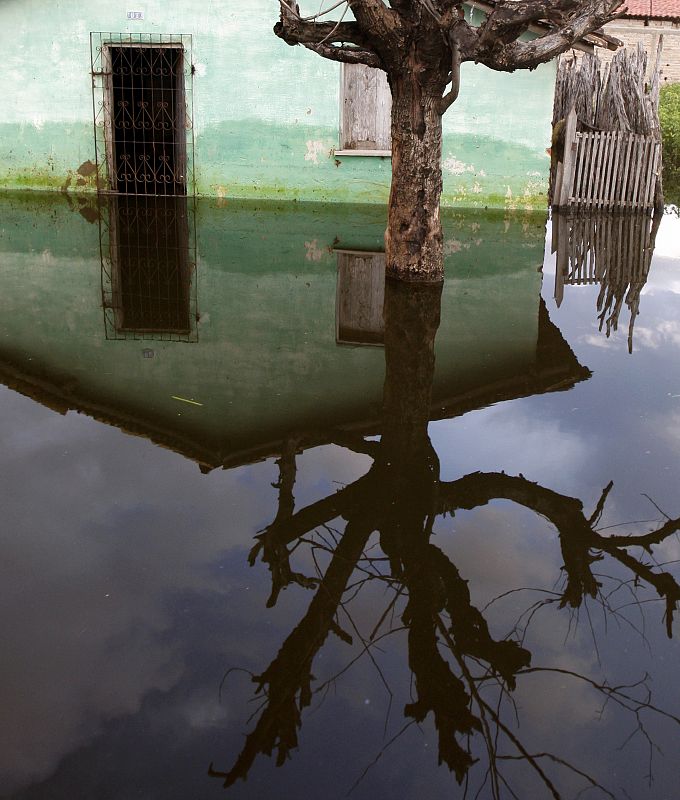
(462,675)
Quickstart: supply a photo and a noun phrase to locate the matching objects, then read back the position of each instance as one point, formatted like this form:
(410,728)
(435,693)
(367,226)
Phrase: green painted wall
(266,360)
(265,115)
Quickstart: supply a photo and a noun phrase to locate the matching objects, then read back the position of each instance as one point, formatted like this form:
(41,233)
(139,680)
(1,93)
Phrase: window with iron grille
(142,113)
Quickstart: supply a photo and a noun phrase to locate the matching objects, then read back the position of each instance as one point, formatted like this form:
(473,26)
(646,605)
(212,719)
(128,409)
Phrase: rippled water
(254,529)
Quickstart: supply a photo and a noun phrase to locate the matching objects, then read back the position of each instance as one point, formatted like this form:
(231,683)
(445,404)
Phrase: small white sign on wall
(135,15)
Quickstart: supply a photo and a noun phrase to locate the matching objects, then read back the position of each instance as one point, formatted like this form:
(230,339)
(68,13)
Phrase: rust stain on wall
(87,169)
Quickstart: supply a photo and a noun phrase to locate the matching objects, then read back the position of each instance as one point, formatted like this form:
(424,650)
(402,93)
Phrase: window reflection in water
(360,297)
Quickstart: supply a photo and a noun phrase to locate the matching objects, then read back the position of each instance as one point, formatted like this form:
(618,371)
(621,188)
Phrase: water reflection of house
(266,366)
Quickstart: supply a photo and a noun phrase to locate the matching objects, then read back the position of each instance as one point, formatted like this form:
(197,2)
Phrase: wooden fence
(607,170)
(609,120)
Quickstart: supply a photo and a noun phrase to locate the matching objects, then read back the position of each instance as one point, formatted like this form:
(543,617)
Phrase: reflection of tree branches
(276,553)
(623,697)
(288,678)
(438,605)
(581,544)
(535,757)
(454,660)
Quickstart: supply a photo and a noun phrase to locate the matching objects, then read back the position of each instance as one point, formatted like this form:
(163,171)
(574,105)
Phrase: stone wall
(632,31)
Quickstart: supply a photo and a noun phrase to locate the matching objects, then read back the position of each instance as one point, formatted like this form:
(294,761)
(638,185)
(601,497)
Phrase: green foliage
(669,116)
(671,190)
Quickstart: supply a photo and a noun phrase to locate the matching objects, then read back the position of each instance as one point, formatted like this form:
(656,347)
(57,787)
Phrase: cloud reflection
(87,575)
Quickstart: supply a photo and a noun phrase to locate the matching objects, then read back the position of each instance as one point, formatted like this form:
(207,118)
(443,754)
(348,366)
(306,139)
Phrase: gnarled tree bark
(413,240)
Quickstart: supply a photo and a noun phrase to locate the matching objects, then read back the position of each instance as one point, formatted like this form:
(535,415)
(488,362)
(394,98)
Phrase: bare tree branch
(648,539)
(509,20)
(498,48)
(347,55)
(375,14)
(338,41)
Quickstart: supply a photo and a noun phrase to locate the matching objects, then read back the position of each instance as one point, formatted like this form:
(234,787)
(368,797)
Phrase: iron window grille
(142,90)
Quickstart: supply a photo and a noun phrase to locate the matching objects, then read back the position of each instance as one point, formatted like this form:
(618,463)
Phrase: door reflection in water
(148,268)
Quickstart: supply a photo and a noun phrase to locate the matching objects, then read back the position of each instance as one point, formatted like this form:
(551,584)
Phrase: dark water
(253,529)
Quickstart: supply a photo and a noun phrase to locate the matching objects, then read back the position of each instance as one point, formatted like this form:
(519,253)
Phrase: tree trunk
(413,240)
(408,464)
(412,316)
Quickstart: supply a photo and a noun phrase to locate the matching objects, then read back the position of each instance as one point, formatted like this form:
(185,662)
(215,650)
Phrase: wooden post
(557,191)
(562,261)
(569,164)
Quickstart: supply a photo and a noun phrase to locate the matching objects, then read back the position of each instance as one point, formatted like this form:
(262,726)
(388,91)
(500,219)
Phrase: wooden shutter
(366,109)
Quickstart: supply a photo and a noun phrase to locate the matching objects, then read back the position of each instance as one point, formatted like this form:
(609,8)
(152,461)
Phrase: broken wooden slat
(651,175)
(626,172)
(616,170)
(603,187)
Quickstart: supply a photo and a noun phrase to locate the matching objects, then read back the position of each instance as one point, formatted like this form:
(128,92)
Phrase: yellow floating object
(184,400)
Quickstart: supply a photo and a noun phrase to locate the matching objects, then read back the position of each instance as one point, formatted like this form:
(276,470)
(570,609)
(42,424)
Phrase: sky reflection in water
(127,592)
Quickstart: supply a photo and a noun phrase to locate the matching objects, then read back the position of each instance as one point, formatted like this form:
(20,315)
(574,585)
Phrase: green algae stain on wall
(50,156)
(300,163)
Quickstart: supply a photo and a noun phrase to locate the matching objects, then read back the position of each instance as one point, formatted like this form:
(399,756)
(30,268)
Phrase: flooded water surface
(273,528)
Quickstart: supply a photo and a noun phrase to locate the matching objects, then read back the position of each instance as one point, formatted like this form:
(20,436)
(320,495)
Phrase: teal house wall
(265,116)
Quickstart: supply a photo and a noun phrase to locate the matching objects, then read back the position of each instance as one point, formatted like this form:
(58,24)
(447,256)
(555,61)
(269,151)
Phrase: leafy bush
(669,116)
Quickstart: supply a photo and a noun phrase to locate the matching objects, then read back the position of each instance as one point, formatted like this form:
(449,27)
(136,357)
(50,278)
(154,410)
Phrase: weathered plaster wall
(265,115)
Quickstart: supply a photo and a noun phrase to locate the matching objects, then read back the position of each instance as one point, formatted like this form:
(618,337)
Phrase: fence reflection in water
(612,250)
